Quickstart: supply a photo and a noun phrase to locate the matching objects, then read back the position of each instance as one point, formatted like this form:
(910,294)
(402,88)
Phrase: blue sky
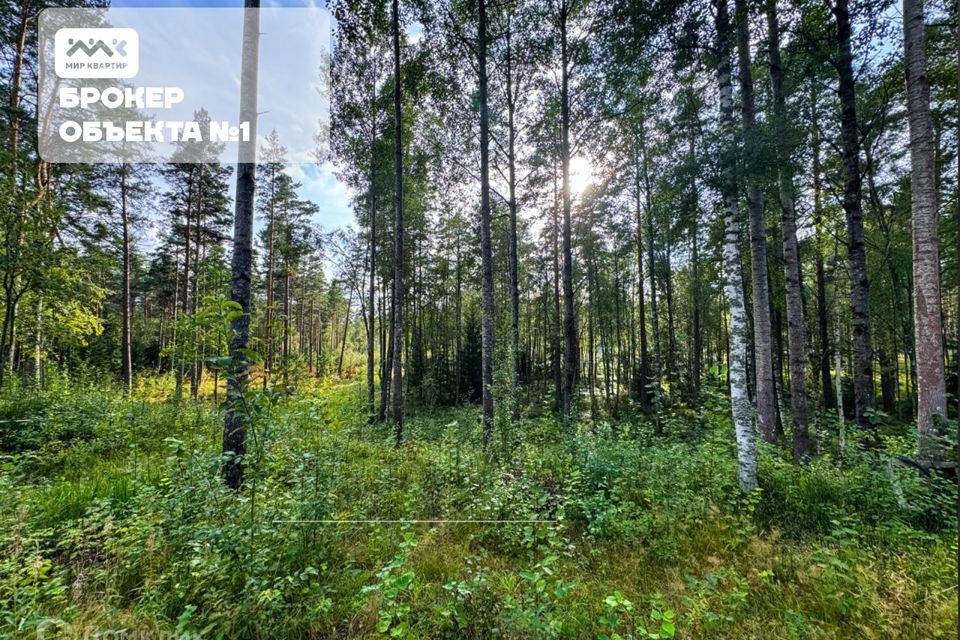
(319,182)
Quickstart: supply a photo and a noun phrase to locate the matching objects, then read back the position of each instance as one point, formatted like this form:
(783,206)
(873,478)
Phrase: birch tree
(739,399)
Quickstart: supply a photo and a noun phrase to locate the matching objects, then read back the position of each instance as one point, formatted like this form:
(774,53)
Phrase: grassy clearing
(114,518)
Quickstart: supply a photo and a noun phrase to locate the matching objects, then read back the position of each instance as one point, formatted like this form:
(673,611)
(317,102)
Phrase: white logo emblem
(97,53)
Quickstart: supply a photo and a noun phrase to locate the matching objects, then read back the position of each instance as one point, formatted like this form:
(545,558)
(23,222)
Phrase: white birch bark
(839,364)
(739,399)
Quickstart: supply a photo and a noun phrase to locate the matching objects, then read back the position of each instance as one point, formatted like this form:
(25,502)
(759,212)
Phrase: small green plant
(533,603)
(394,584)
(662,621)
(616,608)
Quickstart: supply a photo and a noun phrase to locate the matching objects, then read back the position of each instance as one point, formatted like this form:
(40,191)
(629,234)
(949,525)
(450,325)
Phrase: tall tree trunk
(286,323)
(486,254)
(235,419)
(185,302)
(556,333)
(956,24)
(694,211)
(838,356)
(697,359)
(343,341)
(591,344)
(187,257)
(271,233)
(571,345)
(739,400)
(386,380)
(765,393)
(13,237)
(928,331)
(863,391)
(126,354)
(671,332)
(796,342)
(176,311)
(619,296)
(371,323)
(195,365)
(644,373)
(398,235)
(656,376)
(459,322)
(16,82)
(824,338)
(514,258)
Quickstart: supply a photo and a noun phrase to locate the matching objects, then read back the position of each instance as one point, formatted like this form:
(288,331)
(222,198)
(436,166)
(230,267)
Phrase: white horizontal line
(414,521)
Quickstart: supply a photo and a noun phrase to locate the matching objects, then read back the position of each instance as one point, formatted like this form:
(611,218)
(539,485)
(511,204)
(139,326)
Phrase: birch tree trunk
(739,400)
(841,425)
(931,385)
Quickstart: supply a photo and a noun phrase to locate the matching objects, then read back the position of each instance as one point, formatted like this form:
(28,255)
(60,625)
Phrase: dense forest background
(647,326)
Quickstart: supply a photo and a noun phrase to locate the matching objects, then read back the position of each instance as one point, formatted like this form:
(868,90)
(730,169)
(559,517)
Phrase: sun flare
(581,175)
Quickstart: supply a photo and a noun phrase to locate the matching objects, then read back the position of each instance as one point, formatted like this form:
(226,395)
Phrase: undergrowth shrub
(117,517)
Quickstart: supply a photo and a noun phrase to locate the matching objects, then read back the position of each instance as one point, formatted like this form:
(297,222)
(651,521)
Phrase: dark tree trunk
(195,366)
(371,322)
(822,325)
(286,323)
(556,341)
(671,331)
(126,355)
(888,380)
(697,356)
(655,377)
(571,345)
(398,235)
(343,341)
(268,329)
(486,253)
(956,24)
(765,397)
(796,340)
(643,386)
(863,392)
(514,258)
(235,417)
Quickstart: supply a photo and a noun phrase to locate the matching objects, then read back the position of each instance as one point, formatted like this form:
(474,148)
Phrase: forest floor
(114,518)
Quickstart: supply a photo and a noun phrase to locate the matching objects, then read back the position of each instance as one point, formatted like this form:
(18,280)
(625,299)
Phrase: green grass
(114,518)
